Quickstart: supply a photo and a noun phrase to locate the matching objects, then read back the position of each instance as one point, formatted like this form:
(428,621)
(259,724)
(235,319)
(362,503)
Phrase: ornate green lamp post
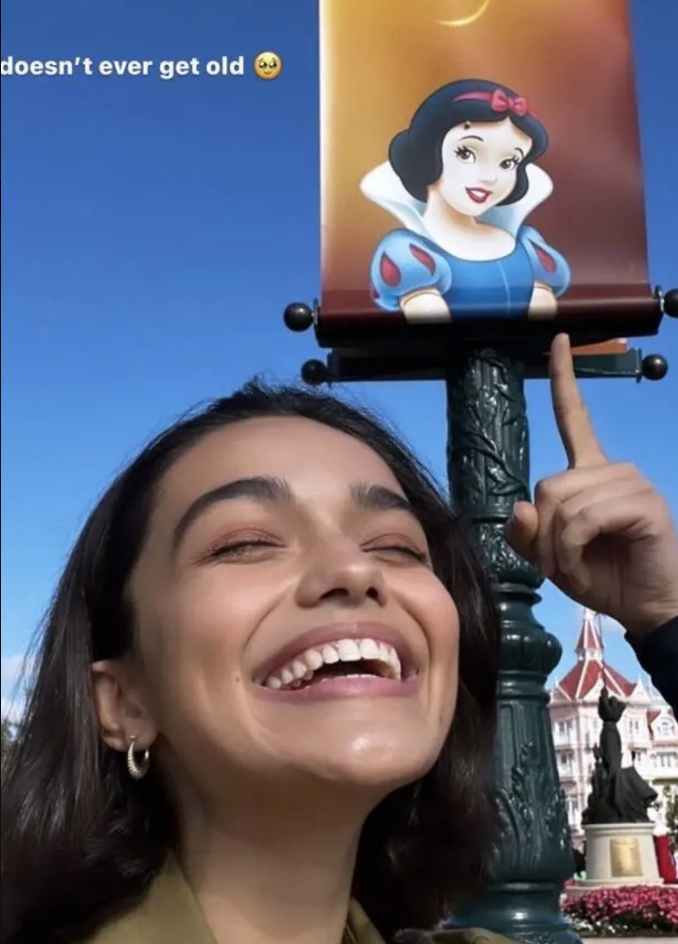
(488,463)
(489,471)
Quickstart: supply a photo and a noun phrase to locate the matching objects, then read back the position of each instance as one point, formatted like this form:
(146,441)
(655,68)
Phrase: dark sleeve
(658,654)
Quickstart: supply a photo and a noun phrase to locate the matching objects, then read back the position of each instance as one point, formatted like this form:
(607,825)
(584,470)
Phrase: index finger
(576,430)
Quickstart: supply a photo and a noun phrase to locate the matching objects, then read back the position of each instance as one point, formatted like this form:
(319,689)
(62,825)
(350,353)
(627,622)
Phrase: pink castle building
(648,727)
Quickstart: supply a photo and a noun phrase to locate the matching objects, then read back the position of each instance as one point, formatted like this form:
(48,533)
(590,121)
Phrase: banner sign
(480,160)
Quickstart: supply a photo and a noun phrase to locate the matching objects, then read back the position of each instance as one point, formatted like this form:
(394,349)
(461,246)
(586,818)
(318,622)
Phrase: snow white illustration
(462,180)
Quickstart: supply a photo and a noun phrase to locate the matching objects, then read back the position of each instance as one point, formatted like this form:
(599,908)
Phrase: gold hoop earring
(137,770)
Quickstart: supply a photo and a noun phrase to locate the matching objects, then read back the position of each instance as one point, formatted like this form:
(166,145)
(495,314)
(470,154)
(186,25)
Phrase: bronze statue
(618,794)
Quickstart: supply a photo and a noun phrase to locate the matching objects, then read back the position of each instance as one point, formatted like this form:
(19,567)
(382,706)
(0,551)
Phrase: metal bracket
(361,354)
(360,367)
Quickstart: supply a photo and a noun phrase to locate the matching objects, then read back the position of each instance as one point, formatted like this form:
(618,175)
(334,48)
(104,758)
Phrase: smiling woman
(266,691)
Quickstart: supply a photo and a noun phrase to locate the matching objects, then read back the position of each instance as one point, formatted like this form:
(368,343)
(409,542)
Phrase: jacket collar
(170,914)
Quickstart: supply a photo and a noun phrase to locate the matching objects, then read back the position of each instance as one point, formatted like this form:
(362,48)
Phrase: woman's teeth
(382,658)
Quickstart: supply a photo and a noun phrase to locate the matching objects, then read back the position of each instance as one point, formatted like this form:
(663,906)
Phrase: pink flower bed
(623,912)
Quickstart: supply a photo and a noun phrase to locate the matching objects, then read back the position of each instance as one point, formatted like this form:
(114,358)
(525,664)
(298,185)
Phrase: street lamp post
(488,468)
(488,463)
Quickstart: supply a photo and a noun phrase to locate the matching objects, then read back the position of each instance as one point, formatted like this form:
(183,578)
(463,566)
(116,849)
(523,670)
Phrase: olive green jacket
(170,914)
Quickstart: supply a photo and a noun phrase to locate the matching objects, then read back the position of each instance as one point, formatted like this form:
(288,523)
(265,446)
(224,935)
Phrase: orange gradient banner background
(570,58)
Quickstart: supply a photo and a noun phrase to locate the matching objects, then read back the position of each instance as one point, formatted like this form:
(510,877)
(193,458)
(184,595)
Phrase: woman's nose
(341,572)
(488,174)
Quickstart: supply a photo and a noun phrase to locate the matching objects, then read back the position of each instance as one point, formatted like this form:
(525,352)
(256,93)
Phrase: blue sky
(153,231)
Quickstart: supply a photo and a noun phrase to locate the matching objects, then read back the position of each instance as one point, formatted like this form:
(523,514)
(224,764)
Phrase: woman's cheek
(508,184)
(455,183)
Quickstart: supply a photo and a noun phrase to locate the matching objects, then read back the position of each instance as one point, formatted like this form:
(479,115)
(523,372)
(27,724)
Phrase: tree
(671,815)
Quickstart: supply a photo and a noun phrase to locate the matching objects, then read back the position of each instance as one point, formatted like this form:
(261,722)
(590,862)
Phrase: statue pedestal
(620,854)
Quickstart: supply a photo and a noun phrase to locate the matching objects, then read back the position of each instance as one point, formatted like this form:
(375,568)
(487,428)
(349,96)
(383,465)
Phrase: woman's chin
(373,761)
(477,210)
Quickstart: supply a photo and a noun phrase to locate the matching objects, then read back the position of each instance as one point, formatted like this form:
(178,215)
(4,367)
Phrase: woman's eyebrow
(379,498)
(259,488)
(263,488)
(471,137)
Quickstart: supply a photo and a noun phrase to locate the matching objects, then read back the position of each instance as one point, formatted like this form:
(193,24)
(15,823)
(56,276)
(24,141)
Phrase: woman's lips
(369,659)
(478,194)
(345,686)
(330,633)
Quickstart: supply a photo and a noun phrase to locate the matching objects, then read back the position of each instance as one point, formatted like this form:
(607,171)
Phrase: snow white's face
(480,164)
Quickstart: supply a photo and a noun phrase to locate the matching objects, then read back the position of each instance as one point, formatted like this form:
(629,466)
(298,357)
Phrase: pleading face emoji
(267,65)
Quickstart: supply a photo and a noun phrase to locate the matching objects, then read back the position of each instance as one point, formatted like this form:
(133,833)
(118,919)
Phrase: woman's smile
(342,660)
(478,194)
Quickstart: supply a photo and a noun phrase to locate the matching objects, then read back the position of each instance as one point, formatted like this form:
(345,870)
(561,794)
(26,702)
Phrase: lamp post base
(539,922)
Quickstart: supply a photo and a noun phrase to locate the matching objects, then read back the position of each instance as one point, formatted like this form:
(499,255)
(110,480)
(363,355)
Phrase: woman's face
(480,163)
(289,624)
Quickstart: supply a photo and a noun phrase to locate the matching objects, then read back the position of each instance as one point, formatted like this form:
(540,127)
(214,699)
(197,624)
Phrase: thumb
(522,528)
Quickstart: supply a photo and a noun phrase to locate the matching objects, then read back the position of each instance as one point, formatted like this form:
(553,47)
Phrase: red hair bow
(498,101)
(502,102)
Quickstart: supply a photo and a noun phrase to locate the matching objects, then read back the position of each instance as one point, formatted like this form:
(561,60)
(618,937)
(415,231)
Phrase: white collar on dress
(383,187)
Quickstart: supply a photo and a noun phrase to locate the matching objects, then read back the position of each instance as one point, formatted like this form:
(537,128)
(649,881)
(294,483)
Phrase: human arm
(550,270)
(603,534)
(543,302)
(657,652)
(408,275)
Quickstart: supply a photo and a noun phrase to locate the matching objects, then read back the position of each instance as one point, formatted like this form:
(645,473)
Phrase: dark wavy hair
(81,842)
(416,154)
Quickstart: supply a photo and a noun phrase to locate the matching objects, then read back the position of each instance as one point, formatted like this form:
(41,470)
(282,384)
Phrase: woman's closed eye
(394,549)
(260,547)
(242,547)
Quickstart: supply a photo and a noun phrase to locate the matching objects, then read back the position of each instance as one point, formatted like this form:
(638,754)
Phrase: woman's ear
(120,707)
